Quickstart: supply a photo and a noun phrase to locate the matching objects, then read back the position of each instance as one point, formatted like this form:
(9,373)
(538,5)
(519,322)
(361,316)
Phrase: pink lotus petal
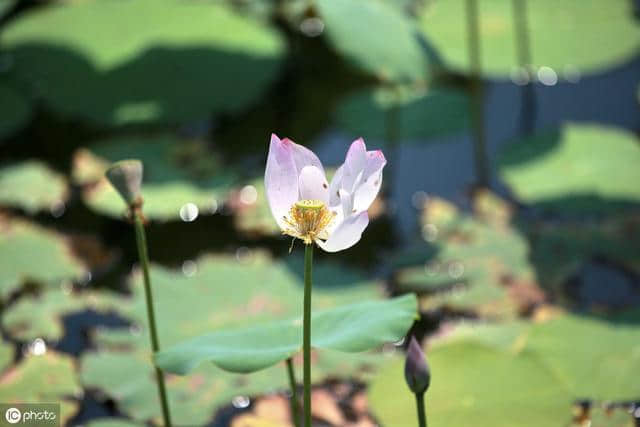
(334,187)
(354,165)
(346,201)
(302,156)
(347,234)
(367,189)
(280,178)
(313,184)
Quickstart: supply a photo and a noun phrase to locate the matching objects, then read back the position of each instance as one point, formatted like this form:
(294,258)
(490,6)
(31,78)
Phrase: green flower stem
(295,413)
(481,162)
(306,333)
(523,52)
(141,242)
(422,418)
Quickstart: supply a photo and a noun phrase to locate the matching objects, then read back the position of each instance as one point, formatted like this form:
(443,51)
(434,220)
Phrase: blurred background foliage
(511,202)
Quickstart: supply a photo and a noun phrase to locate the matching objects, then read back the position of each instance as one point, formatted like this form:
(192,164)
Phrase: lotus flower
(307,207)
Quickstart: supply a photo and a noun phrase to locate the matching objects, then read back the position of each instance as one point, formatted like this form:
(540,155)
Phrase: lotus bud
(126,177)
(416,370)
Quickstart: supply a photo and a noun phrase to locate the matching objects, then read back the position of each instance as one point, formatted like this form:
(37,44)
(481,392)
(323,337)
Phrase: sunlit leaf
(32,186)
(352,328)
(31,253)
(41,316)
(529,377)
(93,60)
(176,173)
(42,379)
(570,36)
(597,165)
(395,54)
(216,293)
(465,262)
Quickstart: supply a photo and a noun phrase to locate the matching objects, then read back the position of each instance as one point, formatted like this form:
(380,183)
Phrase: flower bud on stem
(126,178)
(418,377)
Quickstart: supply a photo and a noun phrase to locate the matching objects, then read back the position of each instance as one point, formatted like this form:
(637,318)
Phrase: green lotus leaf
(416,116)
(42,379)
(586,36)
(32,186)
(41,316)
(215,293)
(463,262)
(128,378)
(15,109)
(21,243)
(6,355)
(176,173)
(394,55)
(517,374)
(559,250)
(597,165)
(262,290)
(352,328)
(93,60)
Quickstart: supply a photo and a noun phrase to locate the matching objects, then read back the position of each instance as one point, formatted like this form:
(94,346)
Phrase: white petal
(346,201)
(354,165)
(347,234)
(367,189)
(280,179)
(334,187)
(313,184)
(302,156)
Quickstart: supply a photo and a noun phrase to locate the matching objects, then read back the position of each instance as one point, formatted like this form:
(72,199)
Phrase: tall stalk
(422,417)
(523,53)
(481,161)
(141,242)
(306,334)
(293,401)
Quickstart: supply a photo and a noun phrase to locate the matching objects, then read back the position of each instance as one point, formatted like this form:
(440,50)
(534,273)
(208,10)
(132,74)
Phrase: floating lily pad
(219,292)
(93,60)
(262,290)
(32,186)
(351,328)
(418,115)
(41,316)
(396,54)
(559,250)
(6,355)
(464,262)
(531,378)
(31,253)
(176,173)
(586,36)
(42,379)
(578,169)
(15,109)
